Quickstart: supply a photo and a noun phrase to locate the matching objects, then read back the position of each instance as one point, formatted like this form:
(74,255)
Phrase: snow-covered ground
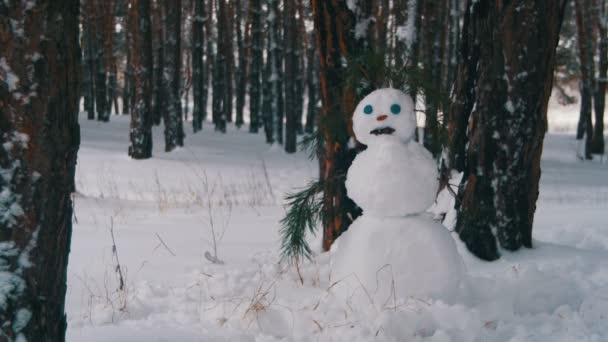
(162,212)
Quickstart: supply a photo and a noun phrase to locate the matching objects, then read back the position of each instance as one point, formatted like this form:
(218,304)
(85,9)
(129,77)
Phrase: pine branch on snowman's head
(385,115)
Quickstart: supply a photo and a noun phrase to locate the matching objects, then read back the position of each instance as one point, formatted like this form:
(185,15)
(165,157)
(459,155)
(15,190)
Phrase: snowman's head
(385,114)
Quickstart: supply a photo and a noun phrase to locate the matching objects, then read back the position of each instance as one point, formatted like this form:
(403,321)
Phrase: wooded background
(481,71)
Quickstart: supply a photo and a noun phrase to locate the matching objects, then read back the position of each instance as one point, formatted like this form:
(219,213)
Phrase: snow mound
(385,260)
(393,179)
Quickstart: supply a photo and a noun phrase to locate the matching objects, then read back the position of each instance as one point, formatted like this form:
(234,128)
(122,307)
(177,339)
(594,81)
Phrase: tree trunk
(312,84)
(174,129)
(333,26)
(291,61)
(101,98)
(503,97)
(599,98)
(159,66)
(241,71)
(89,58)
(585,45)
(141,114)
(276,71)
(38,146)
(256,64)
(198,42)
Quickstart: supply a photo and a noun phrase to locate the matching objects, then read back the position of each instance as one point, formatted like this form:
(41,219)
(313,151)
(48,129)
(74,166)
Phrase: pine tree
(174,130)
(158,42)
(256,64)
(38,145)
(141,57)
(506,102)
(584,23)
(291,69)
(198,70)
(599,98)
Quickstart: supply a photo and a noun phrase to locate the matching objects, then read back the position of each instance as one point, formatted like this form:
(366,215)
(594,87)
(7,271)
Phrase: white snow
(379,103)
(554,292)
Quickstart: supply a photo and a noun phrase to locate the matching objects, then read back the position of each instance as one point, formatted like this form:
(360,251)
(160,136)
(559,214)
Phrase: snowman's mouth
(382,130)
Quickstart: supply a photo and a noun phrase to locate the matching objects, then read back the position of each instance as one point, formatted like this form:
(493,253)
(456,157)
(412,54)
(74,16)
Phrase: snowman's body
(394,250)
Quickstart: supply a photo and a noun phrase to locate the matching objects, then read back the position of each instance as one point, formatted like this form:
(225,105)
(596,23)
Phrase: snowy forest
(303,170)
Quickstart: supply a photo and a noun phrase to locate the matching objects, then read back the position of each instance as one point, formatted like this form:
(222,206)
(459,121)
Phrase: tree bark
(503,97)
(174,129)
(141,57)
(198,70)
(40,57)
(241,70)
(256,64)
(291,61)
(585,45)
(599,98)
(333,26)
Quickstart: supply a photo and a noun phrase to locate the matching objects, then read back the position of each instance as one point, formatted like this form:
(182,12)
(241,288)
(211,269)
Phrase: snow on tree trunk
(141,57)
(39,138)
(498,119)
(241,70)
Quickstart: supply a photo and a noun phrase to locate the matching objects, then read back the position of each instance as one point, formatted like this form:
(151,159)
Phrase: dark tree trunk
(198,43)
(141,115)
(174,129)
(291,61)
(599,98)
(228,56)
(101,98)
(256,64)
(159,66)
(275,78)
(312,84)
(585,45)
(241,71)
(38,146)
(89,58)
(503,98)
(333,26)
(267,117)
(431,33)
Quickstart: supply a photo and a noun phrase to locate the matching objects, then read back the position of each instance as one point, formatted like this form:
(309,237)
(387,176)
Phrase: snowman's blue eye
(395,109)
(368,109)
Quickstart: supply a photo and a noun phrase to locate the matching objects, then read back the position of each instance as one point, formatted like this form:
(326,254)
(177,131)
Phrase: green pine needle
(304,213)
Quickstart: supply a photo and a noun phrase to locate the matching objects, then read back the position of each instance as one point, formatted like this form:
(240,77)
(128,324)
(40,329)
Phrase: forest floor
(156,219)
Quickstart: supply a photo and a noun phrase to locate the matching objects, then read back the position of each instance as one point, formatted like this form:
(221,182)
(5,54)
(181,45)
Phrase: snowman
(394,250)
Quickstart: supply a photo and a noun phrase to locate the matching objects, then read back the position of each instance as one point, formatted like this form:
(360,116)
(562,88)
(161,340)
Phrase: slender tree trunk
(291,61)
(38,145)
(141,115)
(101,97)
(312,82)
(198,69)
(585,45)
(174,129)
(256,64)
(241,71)
(89,58)
(267,98)
(276,70)
(159,67)
(503,98)
(599,98)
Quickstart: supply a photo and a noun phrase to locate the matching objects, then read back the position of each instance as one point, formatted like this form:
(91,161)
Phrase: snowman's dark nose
(381,117)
